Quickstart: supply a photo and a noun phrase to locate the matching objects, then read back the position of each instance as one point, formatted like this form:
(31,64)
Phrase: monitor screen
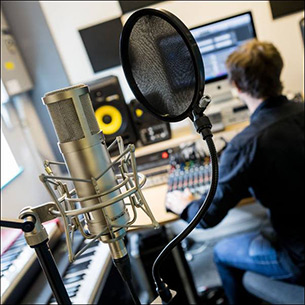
(217,40)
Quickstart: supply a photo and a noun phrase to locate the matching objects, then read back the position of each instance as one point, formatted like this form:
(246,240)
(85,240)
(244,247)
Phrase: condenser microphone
(86,156)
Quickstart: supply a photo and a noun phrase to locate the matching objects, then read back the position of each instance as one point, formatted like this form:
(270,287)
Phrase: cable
(133,292)
(123,266)
(160,285)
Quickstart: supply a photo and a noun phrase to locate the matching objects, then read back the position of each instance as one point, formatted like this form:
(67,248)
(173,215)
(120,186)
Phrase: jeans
(250,252)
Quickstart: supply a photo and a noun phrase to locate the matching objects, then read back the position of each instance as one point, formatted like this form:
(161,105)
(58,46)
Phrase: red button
(164,155)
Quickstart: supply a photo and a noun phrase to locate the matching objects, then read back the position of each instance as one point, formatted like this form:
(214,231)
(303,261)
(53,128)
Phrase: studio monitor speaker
(111,111)
(149,129)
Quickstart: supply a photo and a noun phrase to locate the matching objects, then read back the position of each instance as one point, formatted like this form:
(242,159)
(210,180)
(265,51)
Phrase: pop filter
(162,64)
(164,69)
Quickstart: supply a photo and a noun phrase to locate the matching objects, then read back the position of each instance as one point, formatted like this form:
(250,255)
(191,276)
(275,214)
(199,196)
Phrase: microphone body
(86,156)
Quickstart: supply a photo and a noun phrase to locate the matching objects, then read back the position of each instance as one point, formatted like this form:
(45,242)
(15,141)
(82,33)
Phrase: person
(265,160)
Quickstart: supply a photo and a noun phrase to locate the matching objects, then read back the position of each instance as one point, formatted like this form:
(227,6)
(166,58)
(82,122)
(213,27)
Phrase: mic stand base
(158,300)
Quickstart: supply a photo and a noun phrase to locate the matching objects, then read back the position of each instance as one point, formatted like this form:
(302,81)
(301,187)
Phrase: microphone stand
(203,126)
(37,237)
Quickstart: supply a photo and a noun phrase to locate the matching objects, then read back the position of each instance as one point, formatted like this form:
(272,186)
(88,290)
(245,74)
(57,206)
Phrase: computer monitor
(218,39)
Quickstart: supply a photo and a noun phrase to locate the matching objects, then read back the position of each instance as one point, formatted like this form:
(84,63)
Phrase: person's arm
(234,172)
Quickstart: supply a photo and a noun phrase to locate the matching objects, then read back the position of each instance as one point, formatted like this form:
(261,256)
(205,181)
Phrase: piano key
(74,274)
(73,285)
(78,267)
(73,289)
(71,293)
(73,279)
(18,245)
(20,240)
(5,267)
(12,251)
(10,258)
(87,253)
(94,244)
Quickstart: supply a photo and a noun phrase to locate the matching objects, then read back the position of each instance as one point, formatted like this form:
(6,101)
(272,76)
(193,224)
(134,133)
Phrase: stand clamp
(202,123)
(38,239)
(38,215)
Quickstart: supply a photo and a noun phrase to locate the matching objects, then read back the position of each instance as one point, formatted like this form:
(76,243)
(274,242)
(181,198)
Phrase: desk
(155,196)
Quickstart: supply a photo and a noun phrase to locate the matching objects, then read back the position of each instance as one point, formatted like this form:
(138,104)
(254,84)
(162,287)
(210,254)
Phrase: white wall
(66,18)
(26,189)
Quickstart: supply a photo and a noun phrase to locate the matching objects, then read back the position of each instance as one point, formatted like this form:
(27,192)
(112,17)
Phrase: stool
(273,291)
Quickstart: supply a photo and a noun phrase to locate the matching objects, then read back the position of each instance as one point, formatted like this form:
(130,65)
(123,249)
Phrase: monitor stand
(226,108)
(219,91)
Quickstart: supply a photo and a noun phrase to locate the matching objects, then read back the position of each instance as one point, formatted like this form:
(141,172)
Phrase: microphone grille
(89,113)
(65,121)
(65,116)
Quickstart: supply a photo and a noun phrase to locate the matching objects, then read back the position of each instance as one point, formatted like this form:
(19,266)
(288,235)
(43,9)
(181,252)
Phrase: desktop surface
(156,192)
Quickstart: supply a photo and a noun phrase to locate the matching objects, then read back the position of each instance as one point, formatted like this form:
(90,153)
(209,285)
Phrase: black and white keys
(83,277)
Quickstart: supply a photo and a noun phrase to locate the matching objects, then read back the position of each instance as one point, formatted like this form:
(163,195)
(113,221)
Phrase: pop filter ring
(192,48)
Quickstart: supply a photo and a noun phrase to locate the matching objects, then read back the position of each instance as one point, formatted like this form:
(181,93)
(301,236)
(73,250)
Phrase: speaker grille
(65,121)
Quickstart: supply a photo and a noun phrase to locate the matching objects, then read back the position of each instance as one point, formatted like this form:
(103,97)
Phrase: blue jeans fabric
(250,252)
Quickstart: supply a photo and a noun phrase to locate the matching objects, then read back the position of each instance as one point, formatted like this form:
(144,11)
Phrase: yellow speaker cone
(139,112)
(109,119)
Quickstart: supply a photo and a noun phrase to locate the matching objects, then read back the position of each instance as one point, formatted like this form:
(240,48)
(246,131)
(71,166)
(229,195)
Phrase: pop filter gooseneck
(163,66)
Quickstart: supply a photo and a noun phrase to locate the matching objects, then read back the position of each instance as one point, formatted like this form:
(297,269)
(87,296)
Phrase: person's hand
(177,201)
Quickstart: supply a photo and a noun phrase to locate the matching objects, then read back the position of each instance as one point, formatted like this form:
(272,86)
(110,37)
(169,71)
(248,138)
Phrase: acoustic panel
(283,8)
(128,6)
(102,44)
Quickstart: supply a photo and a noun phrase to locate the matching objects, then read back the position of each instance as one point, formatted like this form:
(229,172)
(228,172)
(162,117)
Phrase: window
(9,167)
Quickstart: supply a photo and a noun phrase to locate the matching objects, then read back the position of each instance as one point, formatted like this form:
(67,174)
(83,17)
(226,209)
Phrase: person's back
(276,138)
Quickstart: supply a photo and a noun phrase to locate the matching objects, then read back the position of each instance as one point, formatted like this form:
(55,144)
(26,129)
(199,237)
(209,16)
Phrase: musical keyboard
(84,279)
(19,262)
(12,263)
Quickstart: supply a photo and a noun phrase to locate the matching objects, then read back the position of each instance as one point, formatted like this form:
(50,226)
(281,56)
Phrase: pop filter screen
(160,65)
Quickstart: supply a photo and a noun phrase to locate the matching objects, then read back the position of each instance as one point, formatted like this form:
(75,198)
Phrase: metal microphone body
(86,156)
